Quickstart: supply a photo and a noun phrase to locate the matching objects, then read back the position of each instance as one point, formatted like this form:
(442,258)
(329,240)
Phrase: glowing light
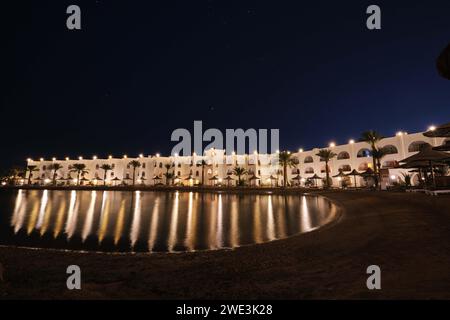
(53,159)
(233,153)
(94,157)
(125,156)
(194,154)
(80,158)
(351,141)
(255,152)
(278,151)
(29,160)
(393,177)
(175,154)
(300,150)
(157,155)
(41,159)
(399,133)
(110,157)
(339,178)
(75,180)
(141,155)
(47,180)
(3,183)
(220,180)
(67,159)
(431,128)
(332,144)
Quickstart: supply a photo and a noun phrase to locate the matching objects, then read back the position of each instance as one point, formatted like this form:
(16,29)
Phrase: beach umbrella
(368,172)
(444,147)
(155,178)
(272,178)
(353,173)
(440,131)
(115,180)
(297,178)
(340,175)
(430,155)
(228,178)
(213,179)
(315,177)
(254,178)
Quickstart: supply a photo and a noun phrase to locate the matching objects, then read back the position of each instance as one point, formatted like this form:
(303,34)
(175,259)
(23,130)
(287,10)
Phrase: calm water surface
(115,221)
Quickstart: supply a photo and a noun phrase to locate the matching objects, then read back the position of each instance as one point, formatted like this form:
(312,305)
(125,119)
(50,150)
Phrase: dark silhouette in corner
(443,63)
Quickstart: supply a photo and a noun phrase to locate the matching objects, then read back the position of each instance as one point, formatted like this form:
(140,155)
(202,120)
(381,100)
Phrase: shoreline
(407,235)
(206,189)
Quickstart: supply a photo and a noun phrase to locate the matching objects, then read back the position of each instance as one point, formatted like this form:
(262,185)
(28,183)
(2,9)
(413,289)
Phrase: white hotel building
(263,168)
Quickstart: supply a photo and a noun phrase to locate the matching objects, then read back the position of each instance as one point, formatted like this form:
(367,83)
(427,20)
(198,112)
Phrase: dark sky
(140,69)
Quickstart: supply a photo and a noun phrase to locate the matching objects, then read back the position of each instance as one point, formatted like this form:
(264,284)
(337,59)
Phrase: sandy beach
(406,234)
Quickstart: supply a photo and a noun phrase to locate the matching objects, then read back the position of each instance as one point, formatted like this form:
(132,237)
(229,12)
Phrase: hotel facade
(263,169)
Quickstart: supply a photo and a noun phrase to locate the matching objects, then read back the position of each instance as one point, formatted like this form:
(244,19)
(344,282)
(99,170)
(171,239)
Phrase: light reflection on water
(156,221)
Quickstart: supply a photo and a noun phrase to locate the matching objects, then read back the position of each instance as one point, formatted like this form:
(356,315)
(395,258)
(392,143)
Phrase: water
(115,221)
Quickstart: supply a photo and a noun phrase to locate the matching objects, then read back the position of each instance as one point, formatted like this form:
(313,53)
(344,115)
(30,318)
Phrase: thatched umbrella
(315,177)
(444,147)
(443,63)
(142,179)
(368,173)
(254,178)
(429,155)
(115,180)
(271,179)
(440,131)
(297,178)
(353,173)
(156,178)
(213,179)
(340,175)
(229,179)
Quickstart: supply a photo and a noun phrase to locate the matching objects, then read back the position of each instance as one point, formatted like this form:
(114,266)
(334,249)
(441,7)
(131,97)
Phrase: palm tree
(203,163)
(167,175)
(378,154)
(31,169)
(79,168)
(15,173)
(286,160)
(372,138)
(326,155)
(55,167)
(239,171)
(135,164)
(105,167)
(408,178)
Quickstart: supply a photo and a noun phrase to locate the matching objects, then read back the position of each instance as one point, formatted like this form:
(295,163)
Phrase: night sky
(140,69)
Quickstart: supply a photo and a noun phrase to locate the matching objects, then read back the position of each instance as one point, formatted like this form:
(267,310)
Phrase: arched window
(417,146)
(390,149)
(309,159)
(322,170)
(309,170)
(345,168)
(363,153)
(343,155)
(363,166)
